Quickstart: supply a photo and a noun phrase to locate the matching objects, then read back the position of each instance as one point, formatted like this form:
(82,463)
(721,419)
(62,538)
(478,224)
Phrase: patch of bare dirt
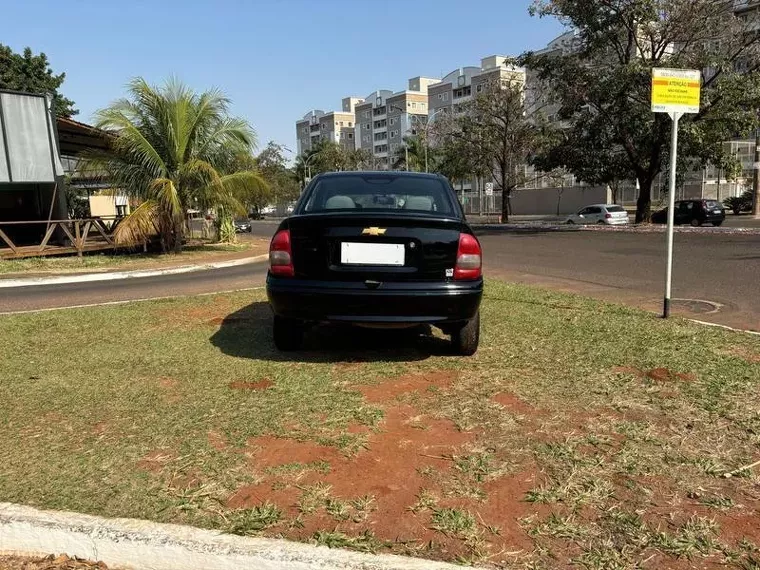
(169,389)
(390,389)
(513,403)
(51,562)
(744,353)
(155,461)
(217,440)
(656,374)
(407,454)
(262,384)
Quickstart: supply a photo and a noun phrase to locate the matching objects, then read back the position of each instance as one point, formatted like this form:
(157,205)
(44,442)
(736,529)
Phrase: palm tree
(415,149)
(173,150)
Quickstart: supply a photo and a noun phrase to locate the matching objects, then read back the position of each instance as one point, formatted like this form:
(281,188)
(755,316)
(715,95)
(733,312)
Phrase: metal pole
(426,148)
(756,181)
(671,212)
(406,158)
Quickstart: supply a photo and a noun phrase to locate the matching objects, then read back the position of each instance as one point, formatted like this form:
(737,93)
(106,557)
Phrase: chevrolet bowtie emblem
(374,231)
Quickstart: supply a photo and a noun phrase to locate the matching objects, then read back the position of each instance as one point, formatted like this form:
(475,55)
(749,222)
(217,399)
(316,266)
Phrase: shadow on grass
(247,333)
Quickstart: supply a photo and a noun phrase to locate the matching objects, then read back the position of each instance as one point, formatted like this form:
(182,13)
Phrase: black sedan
(376,249)
(693,212)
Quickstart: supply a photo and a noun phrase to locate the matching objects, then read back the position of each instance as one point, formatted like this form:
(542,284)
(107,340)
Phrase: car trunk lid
(374,247)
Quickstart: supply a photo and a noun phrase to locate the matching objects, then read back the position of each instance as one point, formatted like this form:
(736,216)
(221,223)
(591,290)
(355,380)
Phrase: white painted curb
(113,275)
(129,543)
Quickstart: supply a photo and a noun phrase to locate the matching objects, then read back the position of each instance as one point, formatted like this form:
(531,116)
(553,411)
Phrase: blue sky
(276,59)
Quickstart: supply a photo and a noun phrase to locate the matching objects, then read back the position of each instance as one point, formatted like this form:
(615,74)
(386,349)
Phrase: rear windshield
(712,204)
(615,209)
(367,192)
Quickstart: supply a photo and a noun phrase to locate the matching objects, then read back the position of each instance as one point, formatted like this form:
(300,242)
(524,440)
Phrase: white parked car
(610,214)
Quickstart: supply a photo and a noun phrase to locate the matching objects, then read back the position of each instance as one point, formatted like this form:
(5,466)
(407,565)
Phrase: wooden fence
(60,237)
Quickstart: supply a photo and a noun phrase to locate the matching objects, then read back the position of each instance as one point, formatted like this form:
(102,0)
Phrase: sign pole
(671,211)
(675,92)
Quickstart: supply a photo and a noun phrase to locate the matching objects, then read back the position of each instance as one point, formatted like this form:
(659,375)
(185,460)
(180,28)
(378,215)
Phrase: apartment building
(385,118)
(459,86)
(335,126)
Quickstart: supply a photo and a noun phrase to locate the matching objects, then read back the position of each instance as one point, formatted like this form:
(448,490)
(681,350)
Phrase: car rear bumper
(419,302)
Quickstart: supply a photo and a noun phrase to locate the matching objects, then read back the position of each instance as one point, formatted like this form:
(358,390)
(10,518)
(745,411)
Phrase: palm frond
(164,193)
(139,226)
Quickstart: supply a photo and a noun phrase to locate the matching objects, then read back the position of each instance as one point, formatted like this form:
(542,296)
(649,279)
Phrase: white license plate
(716,211)
(352,253)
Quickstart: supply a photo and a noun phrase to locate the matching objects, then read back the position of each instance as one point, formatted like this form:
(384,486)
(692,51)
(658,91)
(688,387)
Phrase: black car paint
(697,212)
(421,291)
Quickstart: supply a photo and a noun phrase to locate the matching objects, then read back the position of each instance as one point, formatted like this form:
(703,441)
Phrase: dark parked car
(242,226)
(694,212)
(376,249)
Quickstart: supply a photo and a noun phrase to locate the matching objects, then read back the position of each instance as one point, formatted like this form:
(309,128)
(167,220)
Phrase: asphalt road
(630,268)
(615,266)
(76,294)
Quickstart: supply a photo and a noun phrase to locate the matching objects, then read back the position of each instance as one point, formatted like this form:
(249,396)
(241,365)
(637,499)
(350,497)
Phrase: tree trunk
(644,201)
(506,206)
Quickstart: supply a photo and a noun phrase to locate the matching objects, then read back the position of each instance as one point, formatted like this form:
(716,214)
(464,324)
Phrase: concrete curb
(647,229)
(114,275)
(129,543)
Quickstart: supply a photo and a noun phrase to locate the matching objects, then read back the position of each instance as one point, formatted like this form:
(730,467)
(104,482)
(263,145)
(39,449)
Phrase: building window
(341,123)
(394,134)
(349,124)
(350,135)
(367,126)
(446,96)
(479,88)
(440,96)
(324,127)
(366,114)
(408,104)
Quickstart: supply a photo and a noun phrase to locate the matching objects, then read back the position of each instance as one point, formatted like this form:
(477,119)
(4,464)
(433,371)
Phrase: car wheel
(288,334)
(695,223)
(465,340)
(570,223)
(601,223)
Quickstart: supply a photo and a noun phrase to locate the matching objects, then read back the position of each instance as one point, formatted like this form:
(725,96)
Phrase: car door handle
(372,284)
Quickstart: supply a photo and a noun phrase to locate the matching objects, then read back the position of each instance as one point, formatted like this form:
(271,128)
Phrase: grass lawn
(194,253)
(582,434)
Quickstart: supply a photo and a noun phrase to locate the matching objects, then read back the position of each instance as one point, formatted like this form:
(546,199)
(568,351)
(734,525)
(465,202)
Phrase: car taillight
(608,215)
(469,258)
(281,255)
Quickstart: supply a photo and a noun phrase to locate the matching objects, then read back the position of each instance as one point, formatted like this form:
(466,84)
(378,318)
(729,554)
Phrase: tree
(281,179)
(496,133)
(173,149)
(258,193)
(328,156)
(603,89)
(414,148)
(32,74)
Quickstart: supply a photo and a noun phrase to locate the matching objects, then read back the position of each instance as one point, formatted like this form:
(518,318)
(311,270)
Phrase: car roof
(388,173)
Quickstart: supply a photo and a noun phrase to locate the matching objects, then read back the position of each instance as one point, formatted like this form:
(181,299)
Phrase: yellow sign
(675,90)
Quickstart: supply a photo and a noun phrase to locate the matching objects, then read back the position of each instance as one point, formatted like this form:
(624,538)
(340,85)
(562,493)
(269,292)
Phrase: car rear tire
(695,223)
(601,223)
(287,333)
(570,223)
(465,340)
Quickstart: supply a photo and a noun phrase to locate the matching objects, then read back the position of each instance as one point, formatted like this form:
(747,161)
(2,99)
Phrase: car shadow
(247,333)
